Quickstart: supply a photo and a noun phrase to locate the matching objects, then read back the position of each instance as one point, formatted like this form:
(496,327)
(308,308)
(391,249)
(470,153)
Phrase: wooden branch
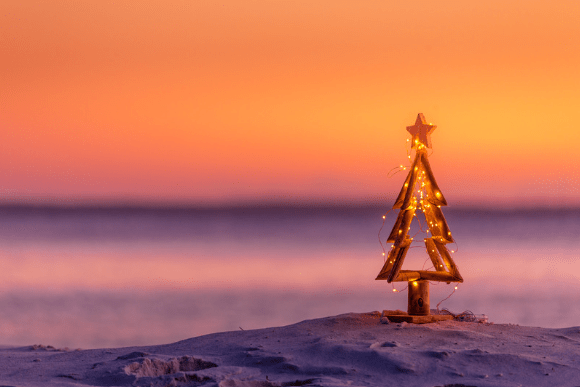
(402,224)
(406,275)
(396,227)
(415,170)
(437,223)
(418,275)
(405,225)
(395,258)
(403,193)
(434,255)
(434,194)
(453,270)
(400,257)
(391,257)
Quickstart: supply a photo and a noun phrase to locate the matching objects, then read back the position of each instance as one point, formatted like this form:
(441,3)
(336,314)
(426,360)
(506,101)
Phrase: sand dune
(346,350)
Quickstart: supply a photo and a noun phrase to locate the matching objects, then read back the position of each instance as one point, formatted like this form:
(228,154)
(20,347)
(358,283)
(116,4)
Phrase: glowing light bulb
(394,290)
(456,288)
(383,254)
(384,216)
(414,283)
(452,251)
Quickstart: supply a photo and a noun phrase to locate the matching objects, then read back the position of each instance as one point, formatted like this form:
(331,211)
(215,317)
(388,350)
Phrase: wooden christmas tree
(420,192)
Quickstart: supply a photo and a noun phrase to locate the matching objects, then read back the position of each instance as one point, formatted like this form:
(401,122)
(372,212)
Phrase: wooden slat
(396,254)
(434,255)
(453,270)
(405,225)
(398,262)
(403,193)
(417,275)
(436,276)
(434,216)
(435,195)
(406,275)
(431,219)
(402,223)
(384,273)
(397,226)
(415,170)
(444,227)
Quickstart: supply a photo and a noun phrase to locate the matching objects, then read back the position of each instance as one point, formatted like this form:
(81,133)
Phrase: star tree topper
(421,131)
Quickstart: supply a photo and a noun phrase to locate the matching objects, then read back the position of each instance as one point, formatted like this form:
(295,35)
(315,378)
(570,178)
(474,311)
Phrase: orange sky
(215,102)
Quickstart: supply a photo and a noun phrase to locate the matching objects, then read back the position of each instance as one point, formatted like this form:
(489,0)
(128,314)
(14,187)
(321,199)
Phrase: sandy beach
(202,193)
(346,350)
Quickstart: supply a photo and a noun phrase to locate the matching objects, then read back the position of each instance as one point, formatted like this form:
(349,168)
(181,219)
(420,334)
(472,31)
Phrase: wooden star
(421,132)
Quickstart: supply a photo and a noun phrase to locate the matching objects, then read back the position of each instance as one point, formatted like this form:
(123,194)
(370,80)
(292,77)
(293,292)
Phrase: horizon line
(263,205)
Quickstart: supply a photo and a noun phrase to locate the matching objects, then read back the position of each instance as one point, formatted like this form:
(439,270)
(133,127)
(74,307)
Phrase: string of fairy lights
(418,202)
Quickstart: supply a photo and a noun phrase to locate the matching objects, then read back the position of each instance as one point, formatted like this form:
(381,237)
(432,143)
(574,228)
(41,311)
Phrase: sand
(345,350)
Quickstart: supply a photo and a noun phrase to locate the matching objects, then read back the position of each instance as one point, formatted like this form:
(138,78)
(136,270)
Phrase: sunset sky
(223,102)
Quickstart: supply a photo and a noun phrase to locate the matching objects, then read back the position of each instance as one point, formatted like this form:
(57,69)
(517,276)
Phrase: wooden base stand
(418,298)
(397,316)
(418,311)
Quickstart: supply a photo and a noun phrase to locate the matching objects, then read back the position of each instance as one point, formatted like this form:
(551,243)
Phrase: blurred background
(168,170)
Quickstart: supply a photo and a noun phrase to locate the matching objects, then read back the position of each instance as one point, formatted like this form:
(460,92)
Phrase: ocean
(108,277)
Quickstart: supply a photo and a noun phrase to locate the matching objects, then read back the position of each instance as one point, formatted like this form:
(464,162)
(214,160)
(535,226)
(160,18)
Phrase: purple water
(119,277)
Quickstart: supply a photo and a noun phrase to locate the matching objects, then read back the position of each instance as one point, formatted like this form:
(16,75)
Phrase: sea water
(104,277)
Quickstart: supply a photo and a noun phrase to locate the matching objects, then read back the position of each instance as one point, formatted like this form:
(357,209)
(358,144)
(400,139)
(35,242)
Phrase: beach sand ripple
(346,350)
